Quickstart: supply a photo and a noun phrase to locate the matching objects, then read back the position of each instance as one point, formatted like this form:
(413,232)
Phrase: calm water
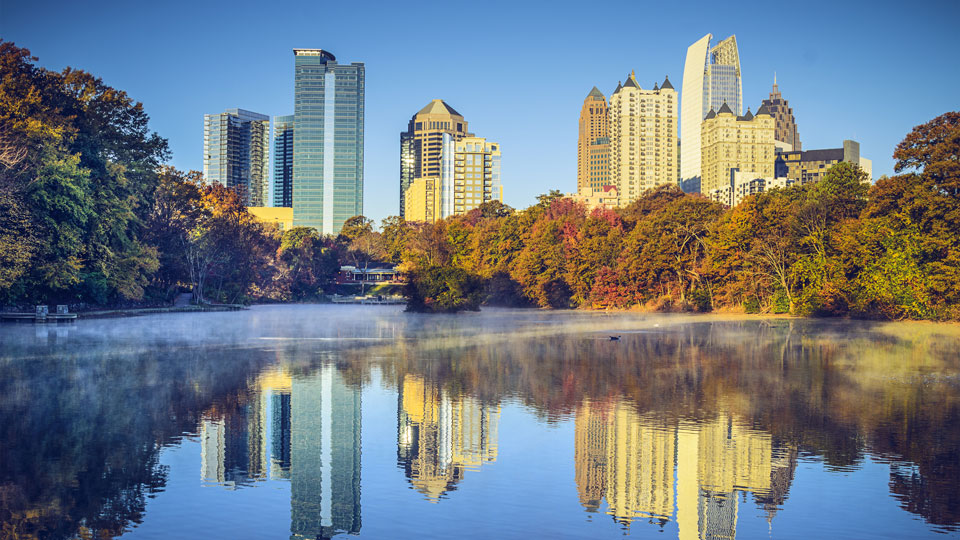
(314,421)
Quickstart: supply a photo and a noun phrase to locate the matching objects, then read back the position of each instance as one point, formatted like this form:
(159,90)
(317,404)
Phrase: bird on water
(614,338)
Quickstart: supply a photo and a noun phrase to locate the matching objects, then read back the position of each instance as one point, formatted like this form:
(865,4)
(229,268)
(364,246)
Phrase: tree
(436,289)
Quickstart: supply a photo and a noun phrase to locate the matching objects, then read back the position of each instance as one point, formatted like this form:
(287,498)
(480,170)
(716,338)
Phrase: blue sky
(518,71)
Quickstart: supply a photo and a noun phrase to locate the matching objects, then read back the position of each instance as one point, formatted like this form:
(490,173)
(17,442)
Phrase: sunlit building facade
(808,166)
(421,145)
(593,143)
(283,161)
(785,124)
(643,138)
(236,153)
(422,201)
(744,144)
(469,174)
(327,140)
(711,78)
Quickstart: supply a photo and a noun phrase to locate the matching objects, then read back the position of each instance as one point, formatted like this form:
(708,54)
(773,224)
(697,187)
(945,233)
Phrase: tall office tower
(742,144)
(643,138)
(283,161)
(324,456)
(236,149)
(469,175)
(711,77)
(327,141)
(421,144)
(786,125)
(593,143)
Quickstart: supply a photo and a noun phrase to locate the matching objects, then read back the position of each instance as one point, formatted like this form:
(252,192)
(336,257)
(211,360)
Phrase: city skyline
(177,90)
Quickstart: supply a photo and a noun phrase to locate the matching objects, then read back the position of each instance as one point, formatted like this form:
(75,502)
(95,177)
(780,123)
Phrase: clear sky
(518,71)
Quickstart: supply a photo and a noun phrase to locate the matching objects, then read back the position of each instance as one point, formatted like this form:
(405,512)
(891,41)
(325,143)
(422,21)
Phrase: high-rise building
(593,143)
(283,161)
(742,144)
(643,138)
(469,175)
(421,144)
(808,166)
(422,201)
(327,140)
(786,124)
(236,149)
(711,77)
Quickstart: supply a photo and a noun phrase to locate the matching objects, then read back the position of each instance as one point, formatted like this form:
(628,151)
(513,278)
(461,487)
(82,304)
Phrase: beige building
(470,175)
(422,144)
(735,143)
(643,138)
(604,197)
(282,217)
(593,143)
(422,201)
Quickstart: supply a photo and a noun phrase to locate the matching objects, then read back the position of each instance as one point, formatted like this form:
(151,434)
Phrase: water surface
(317,421)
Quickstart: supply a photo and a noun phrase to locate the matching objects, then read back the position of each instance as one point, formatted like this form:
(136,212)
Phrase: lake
(312,421)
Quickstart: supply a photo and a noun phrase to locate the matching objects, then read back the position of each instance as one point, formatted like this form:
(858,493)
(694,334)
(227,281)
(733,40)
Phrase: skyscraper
(283,161)
(236,149)
(643,138)
(786,124)
(469,174)
(421,144)
(593,143)
(327,140)
(711,77)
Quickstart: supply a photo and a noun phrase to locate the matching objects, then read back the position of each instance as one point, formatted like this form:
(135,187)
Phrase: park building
(643,138)
(421,146)
(711,77)
(236,149)
(593,143)
(328,136)
(804,167)
(736,143)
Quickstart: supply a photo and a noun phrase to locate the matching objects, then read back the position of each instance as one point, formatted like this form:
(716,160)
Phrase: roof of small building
(631,81)
(619,86)
(666,83)
(725,109)
(710,114)
(763,110)
(747,117)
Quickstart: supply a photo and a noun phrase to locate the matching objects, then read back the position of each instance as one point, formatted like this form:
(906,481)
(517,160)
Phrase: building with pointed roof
(593,143)
(736,146)
(711,77)
(421,145)
(786,124)
(643,138)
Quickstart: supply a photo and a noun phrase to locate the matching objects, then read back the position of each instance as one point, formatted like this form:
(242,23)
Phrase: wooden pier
(41,315)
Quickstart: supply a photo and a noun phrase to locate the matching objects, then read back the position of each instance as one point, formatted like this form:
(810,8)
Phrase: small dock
(40,315)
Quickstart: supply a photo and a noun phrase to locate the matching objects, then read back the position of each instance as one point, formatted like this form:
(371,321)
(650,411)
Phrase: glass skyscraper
(711,77)
(283,161)
(236,149)
(327,141)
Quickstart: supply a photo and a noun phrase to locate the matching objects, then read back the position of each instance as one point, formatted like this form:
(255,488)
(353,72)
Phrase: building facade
(422,201)
(421,144)
(785,123)
(470,174)
(804,167)
(643,138)
(236,153)
(593,143)
(327,140)
(605,197)
(711,77)
(736,143)
(283,161)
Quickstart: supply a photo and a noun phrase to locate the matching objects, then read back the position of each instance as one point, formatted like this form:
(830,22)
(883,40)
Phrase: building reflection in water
(314,442)
(439,436)
(645,468)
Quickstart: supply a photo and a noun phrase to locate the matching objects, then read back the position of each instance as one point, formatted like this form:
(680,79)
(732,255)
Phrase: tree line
(88,214)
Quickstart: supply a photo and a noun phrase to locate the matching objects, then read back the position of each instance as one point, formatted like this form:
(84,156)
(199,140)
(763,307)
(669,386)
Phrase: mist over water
(308,421)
